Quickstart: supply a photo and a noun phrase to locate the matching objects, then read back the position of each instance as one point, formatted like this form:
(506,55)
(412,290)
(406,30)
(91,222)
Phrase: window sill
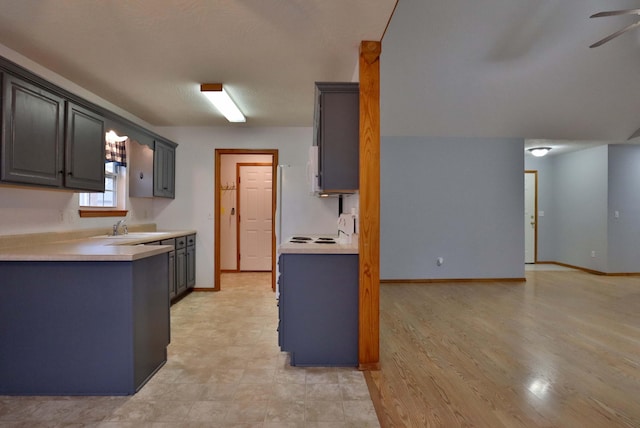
(102,213)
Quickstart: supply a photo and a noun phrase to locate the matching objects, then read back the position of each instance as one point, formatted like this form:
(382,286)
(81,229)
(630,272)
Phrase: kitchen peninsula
(318,301)
(83,317)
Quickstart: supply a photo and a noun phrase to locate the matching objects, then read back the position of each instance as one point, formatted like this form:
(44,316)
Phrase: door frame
(535,208)
(216,198)
(238,205)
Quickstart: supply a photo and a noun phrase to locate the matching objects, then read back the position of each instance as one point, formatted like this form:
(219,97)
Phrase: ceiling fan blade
(614,35)
(616,12)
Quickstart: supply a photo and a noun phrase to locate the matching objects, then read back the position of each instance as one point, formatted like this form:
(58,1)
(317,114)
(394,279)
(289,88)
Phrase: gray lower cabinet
(172,274)
(82,327)
(49,141)
(318,308)
(181,271)
(164,161)
(191,261)
(173,290)
(182,264)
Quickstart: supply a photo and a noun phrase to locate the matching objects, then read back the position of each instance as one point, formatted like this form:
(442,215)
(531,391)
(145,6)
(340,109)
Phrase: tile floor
(224,370)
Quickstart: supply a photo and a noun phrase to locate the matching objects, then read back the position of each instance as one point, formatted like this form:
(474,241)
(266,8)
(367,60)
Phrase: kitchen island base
(82,327)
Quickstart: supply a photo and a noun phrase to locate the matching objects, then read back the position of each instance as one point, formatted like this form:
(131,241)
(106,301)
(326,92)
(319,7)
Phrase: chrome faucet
(116,227)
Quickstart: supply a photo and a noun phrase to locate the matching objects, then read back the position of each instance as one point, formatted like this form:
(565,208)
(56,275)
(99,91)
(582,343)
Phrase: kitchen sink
(133,235)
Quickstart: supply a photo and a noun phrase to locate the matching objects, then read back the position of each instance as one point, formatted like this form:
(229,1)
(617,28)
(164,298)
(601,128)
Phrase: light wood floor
(561,350)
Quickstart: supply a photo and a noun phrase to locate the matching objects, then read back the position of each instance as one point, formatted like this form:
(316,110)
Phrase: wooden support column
(369,240)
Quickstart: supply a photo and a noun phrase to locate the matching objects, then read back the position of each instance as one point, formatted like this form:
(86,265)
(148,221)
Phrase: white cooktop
(315,244)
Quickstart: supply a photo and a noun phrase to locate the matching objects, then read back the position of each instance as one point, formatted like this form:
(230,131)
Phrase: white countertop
(97,248)
(313,248)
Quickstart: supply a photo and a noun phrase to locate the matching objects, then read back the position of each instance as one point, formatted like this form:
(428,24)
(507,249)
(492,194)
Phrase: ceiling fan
(619,32)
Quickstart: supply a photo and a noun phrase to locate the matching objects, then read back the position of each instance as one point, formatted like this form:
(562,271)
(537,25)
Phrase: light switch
(616,214)
(540,213)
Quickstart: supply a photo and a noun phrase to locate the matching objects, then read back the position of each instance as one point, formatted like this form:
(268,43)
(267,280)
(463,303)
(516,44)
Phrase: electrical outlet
(593,254)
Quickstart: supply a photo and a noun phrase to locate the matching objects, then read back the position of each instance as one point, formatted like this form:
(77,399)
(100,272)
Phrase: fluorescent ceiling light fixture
(223,102)
(539,151)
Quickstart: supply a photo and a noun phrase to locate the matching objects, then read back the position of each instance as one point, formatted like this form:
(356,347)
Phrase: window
(108,199)
(112,202)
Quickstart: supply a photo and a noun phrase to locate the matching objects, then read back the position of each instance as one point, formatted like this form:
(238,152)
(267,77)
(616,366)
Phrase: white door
(255,219)
(530,182)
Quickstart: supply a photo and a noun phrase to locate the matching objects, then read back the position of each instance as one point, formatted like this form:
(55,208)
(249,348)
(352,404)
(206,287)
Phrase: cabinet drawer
(181,242)
(191,240)
(171,242)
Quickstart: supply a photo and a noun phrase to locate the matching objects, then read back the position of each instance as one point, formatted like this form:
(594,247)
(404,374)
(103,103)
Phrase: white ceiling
(510,68)
(476,68)
(149,57)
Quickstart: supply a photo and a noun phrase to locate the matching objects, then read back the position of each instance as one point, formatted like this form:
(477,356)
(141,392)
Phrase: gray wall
(624,197)
(581,206)
(456,198)
(193,208)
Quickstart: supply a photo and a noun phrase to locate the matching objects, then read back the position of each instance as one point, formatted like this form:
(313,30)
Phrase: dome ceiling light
(539,151)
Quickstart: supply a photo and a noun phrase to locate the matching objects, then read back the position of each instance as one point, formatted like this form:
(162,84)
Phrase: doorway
(255,215)
(530,216)
(228,203)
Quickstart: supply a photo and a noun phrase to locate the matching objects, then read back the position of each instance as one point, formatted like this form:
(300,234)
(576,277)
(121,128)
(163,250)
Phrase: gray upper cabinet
(152,170)
(51,137)
(337,135)
(140,169)
(32,134)
(84,149)
(164,164)
(37,147)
